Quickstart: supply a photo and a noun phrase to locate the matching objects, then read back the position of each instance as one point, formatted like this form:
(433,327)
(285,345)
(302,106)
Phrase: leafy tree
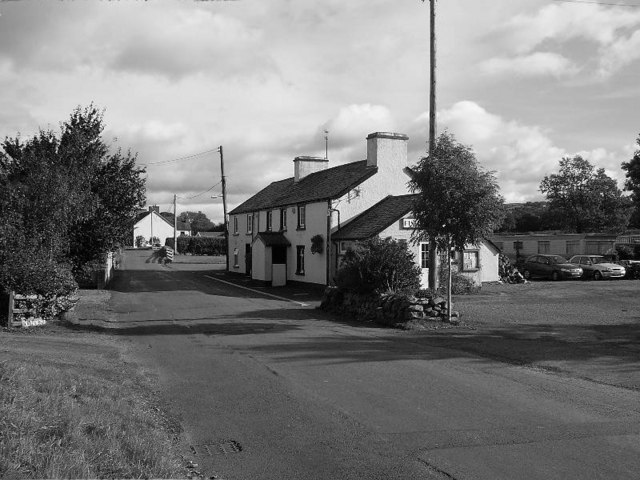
(379,266)
(458,203)
(585,199)
(65,198)
(632,183)
(199,221)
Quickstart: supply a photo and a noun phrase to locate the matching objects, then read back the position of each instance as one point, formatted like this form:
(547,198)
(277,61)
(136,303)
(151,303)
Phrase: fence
(20,311)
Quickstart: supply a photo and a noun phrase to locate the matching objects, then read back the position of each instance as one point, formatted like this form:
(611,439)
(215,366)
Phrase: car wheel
(597,275)
(527,275)
(555,276)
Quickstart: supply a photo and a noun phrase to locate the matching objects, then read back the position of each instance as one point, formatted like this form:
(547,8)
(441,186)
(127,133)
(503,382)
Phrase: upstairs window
(283,219)
(250,223)
(269,220)
(235,225)
(302,217)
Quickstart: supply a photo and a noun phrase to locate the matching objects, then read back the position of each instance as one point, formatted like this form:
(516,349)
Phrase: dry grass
(68,420)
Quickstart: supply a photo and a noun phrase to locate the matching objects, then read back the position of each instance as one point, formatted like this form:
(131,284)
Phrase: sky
(524,83)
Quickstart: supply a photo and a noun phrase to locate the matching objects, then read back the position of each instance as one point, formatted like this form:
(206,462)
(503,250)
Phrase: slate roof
(271,239)
(375,219)
(323,185)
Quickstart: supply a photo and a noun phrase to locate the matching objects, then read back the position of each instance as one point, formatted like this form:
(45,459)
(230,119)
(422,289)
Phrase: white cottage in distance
(294,229)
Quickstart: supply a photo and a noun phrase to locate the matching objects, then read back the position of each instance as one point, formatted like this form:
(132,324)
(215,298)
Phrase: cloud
(355,122)
(535,64)
(612,31)
(519,154)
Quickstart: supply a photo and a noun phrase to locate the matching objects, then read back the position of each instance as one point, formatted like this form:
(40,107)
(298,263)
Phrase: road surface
(267,388)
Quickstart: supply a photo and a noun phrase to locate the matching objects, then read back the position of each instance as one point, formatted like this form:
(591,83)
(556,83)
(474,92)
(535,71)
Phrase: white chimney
(387,149)
(304,166)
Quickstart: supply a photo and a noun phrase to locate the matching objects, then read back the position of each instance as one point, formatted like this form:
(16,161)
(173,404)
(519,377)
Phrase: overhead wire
(609,4)
(188,157)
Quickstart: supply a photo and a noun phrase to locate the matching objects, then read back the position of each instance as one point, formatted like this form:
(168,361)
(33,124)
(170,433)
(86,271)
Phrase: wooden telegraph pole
(433,251)
(224,203)
(175,225)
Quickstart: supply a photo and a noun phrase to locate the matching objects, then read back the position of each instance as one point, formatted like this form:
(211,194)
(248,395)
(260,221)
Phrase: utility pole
(433,250)
(224,203)
(326,144)
(175,226)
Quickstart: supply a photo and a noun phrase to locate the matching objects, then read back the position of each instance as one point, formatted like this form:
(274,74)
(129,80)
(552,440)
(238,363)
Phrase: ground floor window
(235,258)
(544,246)
(300,260)
(470,260)
(424,255)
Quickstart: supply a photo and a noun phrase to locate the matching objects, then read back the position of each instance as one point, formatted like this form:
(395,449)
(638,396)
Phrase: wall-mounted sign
(408,223)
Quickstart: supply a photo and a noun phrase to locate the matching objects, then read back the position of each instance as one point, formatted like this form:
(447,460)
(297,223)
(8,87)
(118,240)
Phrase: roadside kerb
(277,297)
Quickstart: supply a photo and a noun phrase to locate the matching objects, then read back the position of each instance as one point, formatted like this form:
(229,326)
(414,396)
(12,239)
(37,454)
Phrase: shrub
(460,283)
(140,241)
(36,274)
(625,252)
(379,266)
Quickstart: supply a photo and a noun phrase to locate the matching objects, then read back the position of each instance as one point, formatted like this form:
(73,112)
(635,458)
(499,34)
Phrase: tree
(198,220)
(64,197)
(632,183)
(584,199)
(458,203)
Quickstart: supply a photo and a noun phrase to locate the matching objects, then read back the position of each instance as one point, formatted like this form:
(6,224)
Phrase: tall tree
(458,203)
(632,183)
(198,220)
(584,199)
(65,195)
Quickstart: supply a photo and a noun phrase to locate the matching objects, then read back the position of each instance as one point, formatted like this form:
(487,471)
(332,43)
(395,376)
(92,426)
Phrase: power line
(629,5)
(163,162)
(201,193)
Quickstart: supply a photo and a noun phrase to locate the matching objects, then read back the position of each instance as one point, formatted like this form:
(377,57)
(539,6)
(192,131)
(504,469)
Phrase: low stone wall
(389,309)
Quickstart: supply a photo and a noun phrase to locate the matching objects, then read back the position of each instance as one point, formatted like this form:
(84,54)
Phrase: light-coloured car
(598,267)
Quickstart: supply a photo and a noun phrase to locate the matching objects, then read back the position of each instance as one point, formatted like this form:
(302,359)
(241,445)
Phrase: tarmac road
(271,389)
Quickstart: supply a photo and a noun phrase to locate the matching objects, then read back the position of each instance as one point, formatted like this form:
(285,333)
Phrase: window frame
(249,223)
(235,225)
(470,251)
(283,219)
(269,226)
(302,215)
(424,255)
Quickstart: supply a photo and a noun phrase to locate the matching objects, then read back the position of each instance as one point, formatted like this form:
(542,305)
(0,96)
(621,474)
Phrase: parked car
(632,268)
(554,267)
(598,267)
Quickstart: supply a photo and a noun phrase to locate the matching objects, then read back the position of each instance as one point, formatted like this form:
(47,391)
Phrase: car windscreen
(597,259)
(557,259)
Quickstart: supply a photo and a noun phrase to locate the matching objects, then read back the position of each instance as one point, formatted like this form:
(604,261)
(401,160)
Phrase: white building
(286,231)
(151,224)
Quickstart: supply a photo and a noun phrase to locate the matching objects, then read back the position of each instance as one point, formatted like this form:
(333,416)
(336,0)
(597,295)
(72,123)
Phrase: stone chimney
(154,208)
(303,166)
(385,149)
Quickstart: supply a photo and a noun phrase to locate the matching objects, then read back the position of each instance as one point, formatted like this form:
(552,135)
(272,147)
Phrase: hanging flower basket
(317,244)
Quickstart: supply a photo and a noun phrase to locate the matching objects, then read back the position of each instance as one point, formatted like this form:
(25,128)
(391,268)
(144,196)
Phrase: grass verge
(61,418)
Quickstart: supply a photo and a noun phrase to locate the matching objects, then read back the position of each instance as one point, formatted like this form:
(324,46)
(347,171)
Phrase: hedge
(199,245)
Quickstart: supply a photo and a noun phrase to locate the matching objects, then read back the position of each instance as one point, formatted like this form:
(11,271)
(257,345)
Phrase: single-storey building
(151,223)
(296,229)
(522,245)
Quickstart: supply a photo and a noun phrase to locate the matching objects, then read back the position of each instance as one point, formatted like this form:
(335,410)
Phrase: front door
(247,258)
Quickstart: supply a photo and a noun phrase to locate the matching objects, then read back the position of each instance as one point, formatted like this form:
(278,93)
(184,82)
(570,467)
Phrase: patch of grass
(66,421)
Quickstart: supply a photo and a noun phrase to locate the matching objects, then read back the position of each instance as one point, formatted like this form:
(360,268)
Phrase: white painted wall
(153,225)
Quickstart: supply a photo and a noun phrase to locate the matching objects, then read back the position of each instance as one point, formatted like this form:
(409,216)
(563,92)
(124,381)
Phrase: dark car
(554,267)
(632,268)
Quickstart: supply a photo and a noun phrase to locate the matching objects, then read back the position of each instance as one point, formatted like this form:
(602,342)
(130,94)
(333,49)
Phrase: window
(300,260)
(424,255)
(235,225)
(345,245)
(544,246)
(283,219)
(249,222)
(302,220)
(269,220)
(470,260)
(517,245)
(573,247)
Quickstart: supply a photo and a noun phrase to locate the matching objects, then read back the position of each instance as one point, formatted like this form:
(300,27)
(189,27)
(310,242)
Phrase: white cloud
(355,122)
(613,33)
(535,64)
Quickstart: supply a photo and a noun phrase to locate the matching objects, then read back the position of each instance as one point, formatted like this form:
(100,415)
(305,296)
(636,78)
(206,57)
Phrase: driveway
(270,388)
